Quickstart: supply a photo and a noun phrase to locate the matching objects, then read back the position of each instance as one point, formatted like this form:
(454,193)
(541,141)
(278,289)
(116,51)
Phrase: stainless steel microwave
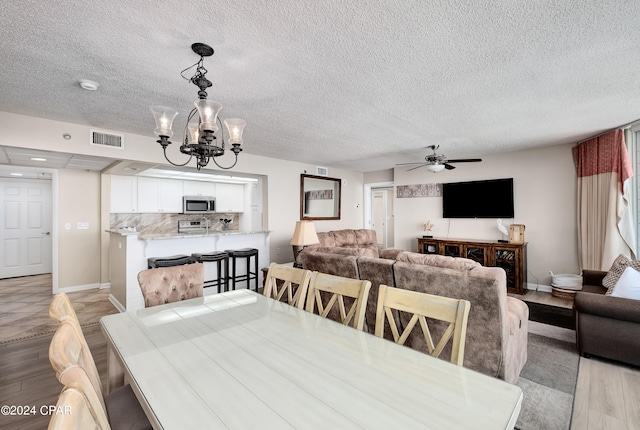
(198,204)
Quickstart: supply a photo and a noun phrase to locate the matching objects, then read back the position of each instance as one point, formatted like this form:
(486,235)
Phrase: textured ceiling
(356,85)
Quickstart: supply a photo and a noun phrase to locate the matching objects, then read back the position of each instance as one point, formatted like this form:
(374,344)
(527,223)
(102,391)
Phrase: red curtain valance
(603,154)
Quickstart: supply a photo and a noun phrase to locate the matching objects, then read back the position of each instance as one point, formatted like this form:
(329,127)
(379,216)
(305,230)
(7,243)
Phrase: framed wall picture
(516,233)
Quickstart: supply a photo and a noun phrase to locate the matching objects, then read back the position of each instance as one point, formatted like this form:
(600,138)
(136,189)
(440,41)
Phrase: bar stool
(174,260)
(243,253)
(220,258)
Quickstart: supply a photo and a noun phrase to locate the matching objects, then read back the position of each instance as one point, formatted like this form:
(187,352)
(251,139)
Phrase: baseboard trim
(538,287)
(116,303)
(105,285)
(75,288)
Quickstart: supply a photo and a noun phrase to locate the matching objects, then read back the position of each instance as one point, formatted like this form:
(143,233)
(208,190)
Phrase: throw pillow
(616,270)
(628,286)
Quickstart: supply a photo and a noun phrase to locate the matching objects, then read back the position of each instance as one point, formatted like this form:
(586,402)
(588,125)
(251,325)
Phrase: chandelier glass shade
(200,138)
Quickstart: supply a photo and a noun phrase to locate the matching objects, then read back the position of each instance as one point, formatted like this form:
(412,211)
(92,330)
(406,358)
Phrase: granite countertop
(159,236)
(155,236)
(122,232)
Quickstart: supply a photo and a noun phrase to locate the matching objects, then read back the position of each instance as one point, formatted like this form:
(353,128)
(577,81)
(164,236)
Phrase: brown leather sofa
(606,326)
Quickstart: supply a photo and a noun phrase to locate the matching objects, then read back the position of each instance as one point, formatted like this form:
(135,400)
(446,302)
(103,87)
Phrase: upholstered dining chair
(72,361)
(77,408)
(171,284)
(61,308)
(452,311)
(336,288)
(281,279)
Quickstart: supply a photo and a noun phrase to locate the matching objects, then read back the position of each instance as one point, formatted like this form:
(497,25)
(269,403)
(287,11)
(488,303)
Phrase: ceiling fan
(435,162)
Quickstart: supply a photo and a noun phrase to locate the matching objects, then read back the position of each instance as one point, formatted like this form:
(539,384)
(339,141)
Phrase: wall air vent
(322,171)
(103,138)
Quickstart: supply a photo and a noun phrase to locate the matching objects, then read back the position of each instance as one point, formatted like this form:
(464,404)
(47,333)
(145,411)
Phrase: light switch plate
(82,226)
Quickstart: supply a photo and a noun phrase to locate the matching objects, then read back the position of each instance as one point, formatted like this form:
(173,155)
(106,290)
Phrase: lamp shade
(304,234)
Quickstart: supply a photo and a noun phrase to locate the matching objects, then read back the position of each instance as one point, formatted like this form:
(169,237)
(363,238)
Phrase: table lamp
(303,235)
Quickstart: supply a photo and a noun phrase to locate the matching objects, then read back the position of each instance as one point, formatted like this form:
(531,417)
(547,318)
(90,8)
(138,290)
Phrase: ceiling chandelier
(199,139)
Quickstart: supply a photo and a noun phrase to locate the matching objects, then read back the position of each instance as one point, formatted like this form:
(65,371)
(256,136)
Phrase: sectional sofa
(496,342)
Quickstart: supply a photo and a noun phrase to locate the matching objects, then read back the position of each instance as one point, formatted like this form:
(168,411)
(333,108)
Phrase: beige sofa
(496,342)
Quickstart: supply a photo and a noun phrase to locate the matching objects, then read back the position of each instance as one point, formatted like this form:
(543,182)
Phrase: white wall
(79,249)
(545,202)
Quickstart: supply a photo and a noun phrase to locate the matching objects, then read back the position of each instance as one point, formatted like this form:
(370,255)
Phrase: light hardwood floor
(607,393)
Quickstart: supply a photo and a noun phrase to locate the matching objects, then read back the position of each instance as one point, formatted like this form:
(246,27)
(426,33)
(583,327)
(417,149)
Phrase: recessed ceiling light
(16,174)
(88,85)
(38,159)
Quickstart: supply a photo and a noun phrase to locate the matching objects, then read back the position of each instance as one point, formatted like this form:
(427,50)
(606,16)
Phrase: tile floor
(24,307)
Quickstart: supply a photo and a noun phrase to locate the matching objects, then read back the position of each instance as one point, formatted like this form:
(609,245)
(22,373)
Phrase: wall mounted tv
(478,199)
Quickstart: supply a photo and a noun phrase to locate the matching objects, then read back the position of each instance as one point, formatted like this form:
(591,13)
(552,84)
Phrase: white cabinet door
(170,196)
(148,193)
(124,194)
(199,188)
(229,197)
(159,195)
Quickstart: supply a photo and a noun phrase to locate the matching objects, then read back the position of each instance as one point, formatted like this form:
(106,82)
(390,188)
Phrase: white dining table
(239,360)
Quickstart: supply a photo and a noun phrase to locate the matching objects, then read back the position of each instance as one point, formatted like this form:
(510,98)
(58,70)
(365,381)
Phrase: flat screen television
(478,199)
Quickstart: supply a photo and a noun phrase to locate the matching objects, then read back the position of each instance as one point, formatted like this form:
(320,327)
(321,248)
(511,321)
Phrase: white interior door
(25,227)
(378,207)
(382,216)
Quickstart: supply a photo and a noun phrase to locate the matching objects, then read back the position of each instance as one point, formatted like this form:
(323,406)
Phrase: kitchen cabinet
(124,194)
(512,257)
(229,197)
(199,188)
(159,195)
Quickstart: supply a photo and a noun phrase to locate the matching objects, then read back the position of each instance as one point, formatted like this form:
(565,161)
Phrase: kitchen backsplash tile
(157,223)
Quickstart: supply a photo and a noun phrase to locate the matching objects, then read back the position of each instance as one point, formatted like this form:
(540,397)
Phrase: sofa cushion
(342,251)
(455,263)
(331,263)
(326,239)
(616,270)
(628,286)
(349,238)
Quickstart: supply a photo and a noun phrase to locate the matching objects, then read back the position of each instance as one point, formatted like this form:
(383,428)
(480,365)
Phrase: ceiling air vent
(102,138)
(322,171)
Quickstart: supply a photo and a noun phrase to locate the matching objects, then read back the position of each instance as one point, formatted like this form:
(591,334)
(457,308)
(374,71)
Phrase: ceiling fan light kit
(435,168)
(199,137)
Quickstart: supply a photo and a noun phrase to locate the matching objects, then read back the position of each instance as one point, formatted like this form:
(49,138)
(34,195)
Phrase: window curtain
(605,219)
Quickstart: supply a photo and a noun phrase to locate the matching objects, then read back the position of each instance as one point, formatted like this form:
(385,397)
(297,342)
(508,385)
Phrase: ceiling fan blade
(449,166)
(417,167)
(408,164)
(465,160)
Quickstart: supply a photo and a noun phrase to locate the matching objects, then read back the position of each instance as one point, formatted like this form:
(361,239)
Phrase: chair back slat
(336,288)
(422,306)
(281,279)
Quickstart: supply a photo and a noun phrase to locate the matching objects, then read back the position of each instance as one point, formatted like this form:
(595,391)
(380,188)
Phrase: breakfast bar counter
(129,251)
